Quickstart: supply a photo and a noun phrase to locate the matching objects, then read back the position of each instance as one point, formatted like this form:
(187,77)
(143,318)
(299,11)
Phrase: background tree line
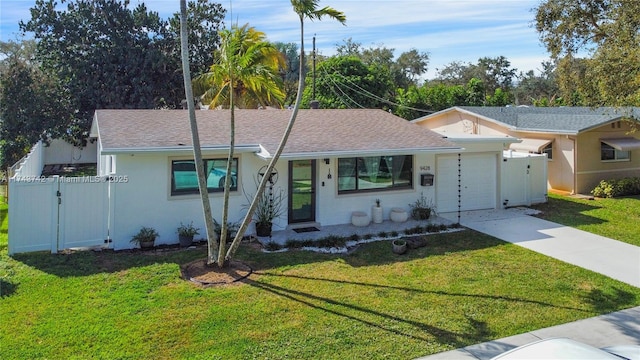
(94,54)
(104,54)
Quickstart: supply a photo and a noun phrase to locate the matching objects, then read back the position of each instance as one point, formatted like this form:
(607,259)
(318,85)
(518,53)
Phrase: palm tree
(245,74)
(305,9)
(246,69)
(195,139)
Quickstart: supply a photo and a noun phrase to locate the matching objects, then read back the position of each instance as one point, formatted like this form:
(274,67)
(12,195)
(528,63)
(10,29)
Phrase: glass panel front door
(302,191)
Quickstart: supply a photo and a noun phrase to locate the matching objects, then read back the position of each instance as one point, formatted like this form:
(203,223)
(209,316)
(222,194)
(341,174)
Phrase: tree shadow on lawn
(7,288)
(3,215)
(85,263)
(437,292)
(386,321)
(609,302)
(568,212)
(392,323)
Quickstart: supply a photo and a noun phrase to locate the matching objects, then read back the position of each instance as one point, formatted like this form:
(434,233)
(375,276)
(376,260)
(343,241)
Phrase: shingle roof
(553,119)
(315,131)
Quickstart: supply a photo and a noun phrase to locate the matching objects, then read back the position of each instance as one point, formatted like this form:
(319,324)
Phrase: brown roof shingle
(315,131)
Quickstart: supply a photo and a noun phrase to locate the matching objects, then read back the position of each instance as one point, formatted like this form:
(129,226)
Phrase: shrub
(331,241)
(307,243)
(414,230)
(272,246)
(354,237)
(382,234)
(232,229)
(617,187)
(421,209)
(432,228)
(293,243)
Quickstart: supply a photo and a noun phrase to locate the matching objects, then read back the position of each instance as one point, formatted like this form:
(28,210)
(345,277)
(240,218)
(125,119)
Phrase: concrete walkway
(618,260)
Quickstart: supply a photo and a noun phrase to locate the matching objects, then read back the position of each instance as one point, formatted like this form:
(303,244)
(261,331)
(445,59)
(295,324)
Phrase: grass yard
(463,288)
(617,218)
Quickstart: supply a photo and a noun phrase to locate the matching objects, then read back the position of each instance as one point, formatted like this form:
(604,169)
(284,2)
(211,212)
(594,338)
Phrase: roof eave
(426,117)
(179,149)
(353,153)
(547,131)
(484,140)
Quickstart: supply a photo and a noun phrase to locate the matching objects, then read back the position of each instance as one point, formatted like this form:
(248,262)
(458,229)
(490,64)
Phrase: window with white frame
(609,153)
(375,173)
(184,179)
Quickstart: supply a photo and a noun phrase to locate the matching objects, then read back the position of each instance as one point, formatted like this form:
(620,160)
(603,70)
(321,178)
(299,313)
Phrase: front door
(302,191)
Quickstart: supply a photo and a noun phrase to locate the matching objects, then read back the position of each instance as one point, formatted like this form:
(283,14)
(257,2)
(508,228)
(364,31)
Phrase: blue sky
(449,30)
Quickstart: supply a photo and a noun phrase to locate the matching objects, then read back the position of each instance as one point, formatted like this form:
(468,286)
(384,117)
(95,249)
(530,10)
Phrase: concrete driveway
(618,260)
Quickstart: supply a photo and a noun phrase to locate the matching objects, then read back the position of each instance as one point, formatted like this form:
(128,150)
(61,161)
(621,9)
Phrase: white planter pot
(376,214)
(398,215)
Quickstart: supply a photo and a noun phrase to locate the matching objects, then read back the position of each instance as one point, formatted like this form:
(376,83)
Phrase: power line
(358,89)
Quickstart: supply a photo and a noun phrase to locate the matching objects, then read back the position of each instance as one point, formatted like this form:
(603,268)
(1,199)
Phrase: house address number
(425,168)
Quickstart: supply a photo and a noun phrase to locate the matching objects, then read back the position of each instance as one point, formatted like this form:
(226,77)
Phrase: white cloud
(450,30)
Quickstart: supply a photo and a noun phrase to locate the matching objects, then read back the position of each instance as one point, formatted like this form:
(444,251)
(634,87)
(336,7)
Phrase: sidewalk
(619,328)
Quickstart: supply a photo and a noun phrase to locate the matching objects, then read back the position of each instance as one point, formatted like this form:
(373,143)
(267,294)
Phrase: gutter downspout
(575,164)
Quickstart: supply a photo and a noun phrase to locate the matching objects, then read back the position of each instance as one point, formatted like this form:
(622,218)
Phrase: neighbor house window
(375,173)
(548,150)
(608,152)
(184,179)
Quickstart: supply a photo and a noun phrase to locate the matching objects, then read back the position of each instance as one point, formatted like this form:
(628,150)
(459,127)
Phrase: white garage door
(477,182)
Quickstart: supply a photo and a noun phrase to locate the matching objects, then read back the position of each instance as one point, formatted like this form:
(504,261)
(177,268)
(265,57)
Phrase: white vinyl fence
(29,166)
(59,213)
(524,179)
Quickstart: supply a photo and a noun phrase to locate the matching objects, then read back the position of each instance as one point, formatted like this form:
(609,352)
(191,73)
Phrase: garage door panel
(478,182)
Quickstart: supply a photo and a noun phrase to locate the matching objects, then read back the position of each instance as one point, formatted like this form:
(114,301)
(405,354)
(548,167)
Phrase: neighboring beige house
(584,145)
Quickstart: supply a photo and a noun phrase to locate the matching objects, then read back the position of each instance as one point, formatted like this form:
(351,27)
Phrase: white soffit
(623,144)
(531,145)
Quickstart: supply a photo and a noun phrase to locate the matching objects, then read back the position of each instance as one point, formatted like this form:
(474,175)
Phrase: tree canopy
(404,71)
(609,32)
(111,56)
(33,106)
(246,64)
(495,73)
(344,82)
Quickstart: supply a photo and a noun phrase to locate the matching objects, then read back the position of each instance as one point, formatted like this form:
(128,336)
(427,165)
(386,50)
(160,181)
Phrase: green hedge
(617,187)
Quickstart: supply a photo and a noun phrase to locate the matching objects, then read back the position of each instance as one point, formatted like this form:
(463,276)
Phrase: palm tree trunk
(263,183)
(227,180)
(195,139)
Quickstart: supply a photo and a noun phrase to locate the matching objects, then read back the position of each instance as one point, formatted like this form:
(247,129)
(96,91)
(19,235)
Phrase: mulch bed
(202,274)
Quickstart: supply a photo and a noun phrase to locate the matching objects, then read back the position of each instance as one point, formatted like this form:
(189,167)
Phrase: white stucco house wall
(335,162)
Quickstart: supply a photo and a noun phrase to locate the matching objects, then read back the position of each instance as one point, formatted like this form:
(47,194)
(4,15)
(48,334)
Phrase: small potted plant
(232,230)
(399,246)
(145,238)
(270,206)
(186,234)
(421,209)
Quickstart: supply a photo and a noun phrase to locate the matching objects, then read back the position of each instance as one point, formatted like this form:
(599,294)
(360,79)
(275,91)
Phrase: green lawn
(463,288)
(617,218)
